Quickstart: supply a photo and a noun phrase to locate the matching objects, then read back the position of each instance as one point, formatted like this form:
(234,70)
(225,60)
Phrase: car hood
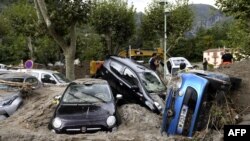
(86,111)
(7,96)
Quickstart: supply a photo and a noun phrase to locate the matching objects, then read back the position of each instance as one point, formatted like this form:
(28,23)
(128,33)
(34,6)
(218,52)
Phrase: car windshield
(61,78)
(92,93)
(152,82)
(5,87)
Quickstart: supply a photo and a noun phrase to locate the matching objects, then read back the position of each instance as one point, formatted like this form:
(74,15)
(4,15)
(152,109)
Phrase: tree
(61,19)
(238,8)
(239,32)
(22,38)
(179,20)
(89,44)
(115,21)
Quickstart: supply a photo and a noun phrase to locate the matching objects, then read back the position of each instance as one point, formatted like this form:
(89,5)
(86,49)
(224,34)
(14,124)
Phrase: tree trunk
(109,43)
(68,50)
(30,47)
(69,63)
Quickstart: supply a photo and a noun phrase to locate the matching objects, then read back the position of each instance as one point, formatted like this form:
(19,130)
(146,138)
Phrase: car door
(114,77)
(131,86)
(47,78)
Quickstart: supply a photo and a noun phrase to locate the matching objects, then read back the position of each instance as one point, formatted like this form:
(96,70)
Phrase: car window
(61,78)
(16,80)
(87,93)
(116,67)
(151,82)
(130,77)
(6,87)
(32,81)
(46,78)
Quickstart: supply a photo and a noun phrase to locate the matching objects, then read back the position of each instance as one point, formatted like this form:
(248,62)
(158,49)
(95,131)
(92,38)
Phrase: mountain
(206,16)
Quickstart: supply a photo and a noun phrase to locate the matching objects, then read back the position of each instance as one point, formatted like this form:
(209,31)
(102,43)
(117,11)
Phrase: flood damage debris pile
(241,96)
(138,123)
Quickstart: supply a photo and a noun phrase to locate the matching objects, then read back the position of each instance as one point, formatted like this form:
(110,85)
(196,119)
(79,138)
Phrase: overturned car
(189,99)
(135,82)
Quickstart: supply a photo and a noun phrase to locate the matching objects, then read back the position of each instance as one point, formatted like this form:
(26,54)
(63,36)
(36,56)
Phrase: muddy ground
(138,124)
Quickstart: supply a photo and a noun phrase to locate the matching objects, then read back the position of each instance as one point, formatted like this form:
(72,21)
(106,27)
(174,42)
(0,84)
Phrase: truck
(140,55)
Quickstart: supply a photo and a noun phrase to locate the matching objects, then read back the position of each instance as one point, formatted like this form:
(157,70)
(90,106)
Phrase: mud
(138,123)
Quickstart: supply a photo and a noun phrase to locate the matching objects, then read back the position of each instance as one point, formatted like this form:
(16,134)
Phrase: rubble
(138,123)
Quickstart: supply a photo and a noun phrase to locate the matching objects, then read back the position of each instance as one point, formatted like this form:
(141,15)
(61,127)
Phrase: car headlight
(57,122)
(111,121)
(158,105)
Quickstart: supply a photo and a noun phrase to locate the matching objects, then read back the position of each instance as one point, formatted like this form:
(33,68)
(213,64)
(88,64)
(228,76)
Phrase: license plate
(182,119)
(84,129)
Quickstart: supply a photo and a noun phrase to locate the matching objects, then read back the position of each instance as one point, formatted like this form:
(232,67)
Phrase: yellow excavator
(140,55)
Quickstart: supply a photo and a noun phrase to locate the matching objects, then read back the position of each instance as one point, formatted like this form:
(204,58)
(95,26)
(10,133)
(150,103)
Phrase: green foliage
(179,20)
(89,45)
(115,21)
(64,13)
(215,37)
(239,33)
(47,51)
(22,18)
(238,36)
(19,22)
(240,9)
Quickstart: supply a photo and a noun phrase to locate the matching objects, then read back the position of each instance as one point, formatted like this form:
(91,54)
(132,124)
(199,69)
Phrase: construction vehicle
(140,55)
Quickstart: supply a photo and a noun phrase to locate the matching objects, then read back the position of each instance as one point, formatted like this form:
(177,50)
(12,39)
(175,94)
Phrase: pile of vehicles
(14,84)
(89,105)
(183,104)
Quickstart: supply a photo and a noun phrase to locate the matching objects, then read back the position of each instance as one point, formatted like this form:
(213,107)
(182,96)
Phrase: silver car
(10,100)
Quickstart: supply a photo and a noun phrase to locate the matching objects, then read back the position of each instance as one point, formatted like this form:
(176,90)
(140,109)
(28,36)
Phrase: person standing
(154,62)
(227,58)
(205,63)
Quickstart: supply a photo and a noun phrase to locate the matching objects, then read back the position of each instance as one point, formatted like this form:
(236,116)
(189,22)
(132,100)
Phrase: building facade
(213,56)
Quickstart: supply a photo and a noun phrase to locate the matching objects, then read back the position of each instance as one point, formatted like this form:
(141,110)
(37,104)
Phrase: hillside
(206,16)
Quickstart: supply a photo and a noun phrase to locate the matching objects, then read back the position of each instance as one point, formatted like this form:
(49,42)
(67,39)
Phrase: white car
(47,76)
(3,67)
(173,64)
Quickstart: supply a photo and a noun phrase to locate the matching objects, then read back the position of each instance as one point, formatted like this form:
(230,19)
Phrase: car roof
(39,70)
(175,61)
(130,63)
(15,75)
(90,81)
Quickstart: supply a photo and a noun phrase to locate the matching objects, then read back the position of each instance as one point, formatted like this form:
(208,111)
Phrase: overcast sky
(141,4)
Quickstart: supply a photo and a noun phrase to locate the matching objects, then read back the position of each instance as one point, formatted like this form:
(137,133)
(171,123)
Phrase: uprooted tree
(61,19)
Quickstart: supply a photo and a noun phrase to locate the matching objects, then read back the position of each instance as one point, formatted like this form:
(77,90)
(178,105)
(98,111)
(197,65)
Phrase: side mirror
(119,96)
(57,97)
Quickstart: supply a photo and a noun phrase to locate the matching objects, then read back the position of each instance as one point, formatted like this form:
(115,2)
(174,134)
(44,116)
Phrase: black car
(87,105)
(136,82)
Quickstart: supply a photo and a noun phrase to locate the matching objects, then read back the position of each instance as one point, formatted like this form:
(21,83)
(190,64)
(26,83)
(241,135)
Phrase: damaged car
(190,98)
(137,83)
(87,105)
(10,100)
(22,78)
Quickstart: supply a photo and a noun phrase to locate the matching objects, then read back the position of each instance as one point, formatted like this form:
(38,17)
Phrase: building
(213,56)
